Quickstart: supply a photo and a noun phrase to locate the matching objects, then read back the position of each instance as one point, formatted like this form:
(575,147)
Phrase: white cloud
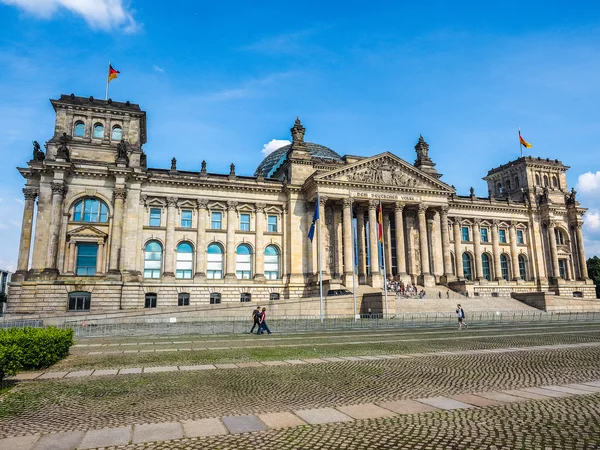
(99,14)
(159,69)
(592,220)
(588,182)
(273,145)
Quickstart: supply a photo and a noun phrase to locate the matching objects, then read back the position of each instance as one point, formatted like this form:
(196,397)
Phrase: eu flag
(311,232)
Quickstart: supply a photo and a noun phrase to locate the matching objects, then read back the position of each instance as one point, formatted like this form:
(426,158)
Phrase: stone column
(99,258)
(230,251)
(425,279)
(348,241)
(457,253)
(514,253)
(259,260)
(553,250)
(119,195)
(496,251)
(58,193)
(338,246)
(362,245)
(478,269)
(321,240)
(26,230)
(447,261)
(387,236)
(581,251)
(169,271)
(70,269)
(400,246)
(200,274)
(374,244)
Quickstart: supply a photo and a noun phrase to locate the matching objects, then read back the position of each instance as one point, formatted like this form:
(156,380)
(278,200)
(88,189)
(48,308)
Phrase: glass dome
(273,161)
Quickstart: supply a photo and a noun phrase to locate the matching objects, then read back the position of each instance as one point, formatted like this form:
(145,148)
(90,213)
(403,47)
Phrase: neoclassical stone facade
(111,233)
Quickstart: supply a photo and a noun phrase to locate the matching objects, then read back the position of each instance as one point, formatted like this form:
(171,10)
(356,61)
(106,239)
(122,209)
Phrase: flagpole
(353,257)
(107,75)
(319,258)
(520,144)
(387,314)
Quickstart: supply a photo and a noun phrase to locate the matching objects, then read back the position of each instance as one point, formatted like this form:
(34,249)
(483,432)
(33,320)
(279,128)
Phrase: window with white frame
(484,235)
(185,260)
(117,133)
(79,301)
(214,262)
(87,255)
(520,239)
(271,263)
(186,218)
(152,260)
(79,129)
(504,266)
(216,219)
(465,234)
(502,236)
(90,210)
(244,222)
(272,224)
(155,217)
(243,262)
(98,131)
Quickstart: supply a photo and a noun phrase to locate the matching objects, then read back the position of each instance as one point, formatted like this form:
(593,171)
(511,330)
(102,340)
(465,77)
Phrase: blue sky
(221,81)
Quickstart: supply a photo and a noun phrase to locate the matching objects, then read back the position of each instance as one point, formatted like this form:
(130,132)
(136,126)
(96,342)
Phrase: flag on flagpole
(379,224)
(112,73)
(523,142)
(311,232)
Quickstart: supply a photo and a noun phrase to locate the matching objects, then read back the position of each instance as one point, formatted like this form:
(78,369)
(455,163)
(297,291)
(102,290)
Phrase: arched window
(523,267)
(560,237)
(214,262)
(499,188)
(517,183)
(243,262)
(504,266)
(117,133)
(485,266)
(185,260)
(98,131)
(90,210)
(467,266)
(79,129)
(271,263)
(545,180)
(554,182)
(537,179)
(507,184)
(152,259)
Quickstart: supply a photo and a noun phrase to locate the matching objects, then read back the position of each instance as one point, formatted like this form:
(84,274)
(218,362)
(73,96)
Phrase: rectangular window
(155,217)
(244,222)
(186,218)
(79,301)
(465,234)
(484,235)
(215,220)
(274,296)
(215,298)
(183,299)
(87,253)
(502,236)
(272,224)
(245,297)
(150,301)
(520,239)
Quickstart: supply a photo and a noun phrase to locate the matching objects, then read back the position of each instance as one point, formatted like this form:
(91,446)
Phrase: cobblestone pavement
(82,404)
(569,423)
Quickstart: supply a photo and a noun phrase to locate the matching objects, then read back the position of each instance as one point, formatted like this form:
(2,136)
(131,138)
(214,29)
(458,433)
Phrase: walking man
(461,317)
(263,322)
(256,320)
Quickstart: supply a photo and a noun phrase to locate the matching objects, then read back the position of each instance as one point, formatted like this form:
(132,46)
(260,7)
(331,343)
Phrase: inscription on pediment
(383,172)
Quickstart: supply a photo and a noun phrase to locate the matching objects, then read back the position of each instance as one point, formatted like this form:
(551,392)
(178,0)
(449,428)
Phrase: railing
(140,326)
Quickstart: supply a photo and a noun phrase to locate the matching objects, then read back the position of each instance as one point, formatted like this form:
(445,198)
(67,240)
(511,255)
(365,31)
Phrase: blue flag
(311,232)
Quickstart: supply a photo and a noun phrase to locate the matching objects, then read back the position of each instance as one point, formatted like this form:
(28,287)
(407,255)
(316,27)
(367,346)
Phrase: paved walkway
(27,376)
(156,432)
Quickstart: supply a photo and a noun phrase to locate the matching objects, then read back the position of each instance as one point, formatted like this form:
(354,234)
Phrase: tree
(593,266)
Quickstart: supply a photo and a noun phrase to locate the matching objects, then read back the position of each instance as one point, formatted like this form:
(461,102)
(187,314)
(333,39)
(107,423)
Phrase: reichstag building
(111,232)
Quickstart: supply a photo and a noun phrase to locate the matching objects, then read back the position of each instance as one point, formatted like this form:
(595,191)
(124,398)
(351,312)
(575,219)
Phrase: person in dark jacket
(256,320)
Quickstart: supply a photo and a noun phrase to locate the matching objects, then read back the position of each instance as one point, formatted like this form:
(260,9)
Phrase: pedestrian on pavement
(256,320)
(460,313)
(439,294)
(263,322)
(447,294)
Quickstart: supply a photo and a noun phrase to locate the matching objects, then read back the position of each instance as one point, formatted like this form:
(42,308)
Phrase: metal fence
(174,325)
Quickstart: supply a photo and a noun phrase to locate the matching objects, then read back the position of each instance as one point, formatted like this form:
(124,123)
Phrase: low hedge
(32,348)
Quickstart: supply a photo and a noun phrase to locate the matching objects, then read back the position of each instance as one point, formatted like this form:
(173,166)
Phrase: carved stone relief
(382,172)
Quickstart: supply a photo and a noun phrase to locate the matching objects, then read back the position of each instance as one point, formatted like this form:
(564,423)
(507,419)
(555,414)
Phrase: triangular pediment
(385,169)
(87,231)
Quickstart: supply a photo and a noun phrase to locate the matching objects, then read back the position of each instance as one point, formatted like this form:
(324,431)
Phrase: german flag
(112,73)
(523,142)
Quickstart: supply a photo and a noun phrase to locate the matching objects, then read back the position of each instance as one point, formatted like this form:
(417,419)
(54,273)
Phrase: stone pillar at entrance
(446,245)
(230,243)
(387,236)
(553,250)
(400,246)
(337,242)
(58,192)
(581,252)
(26,230)
(460,273)
(375,277)
(119,195)
(348,242)
(425,279)
(321,241)
(362,245)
